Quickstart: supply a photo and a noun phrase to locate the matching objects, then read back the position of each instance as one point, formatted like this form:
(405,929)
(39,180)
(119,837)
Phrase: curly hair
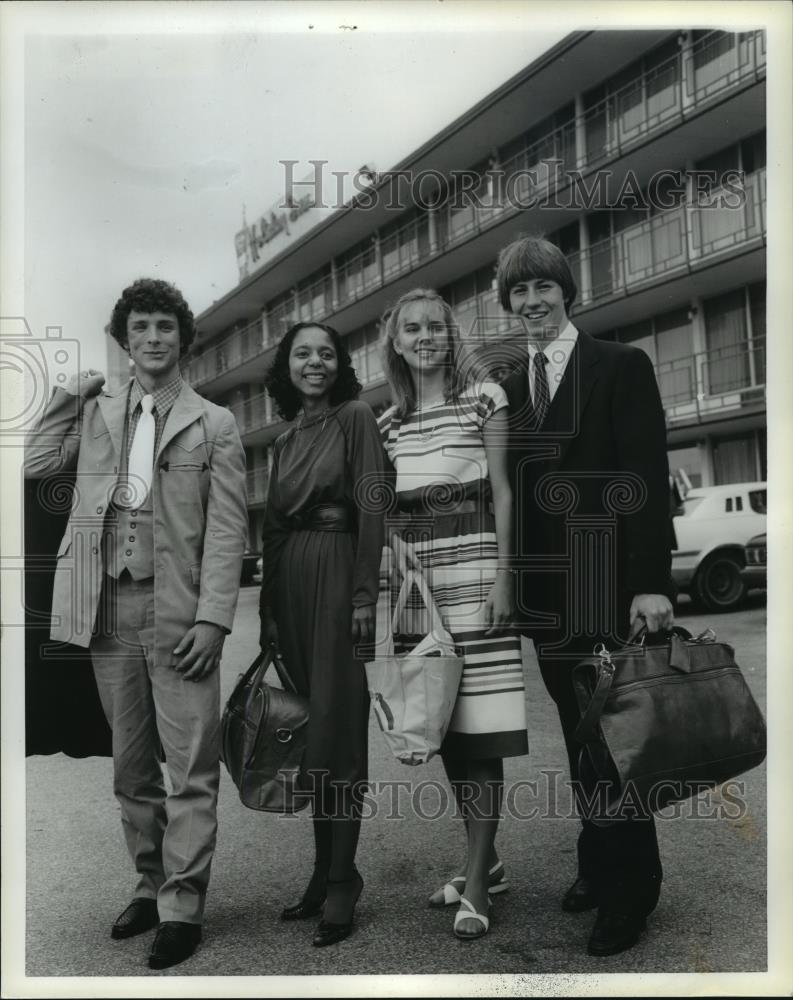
(279,385)
(148,295)
(400,379)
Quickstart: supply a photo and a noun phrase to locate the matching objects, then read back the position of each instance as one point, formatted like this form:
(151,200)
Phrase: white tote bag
(413,694)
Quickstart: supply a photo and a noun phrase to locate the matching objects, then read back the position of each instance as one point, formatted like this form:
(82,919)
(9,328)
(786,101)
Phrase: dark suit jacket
(591,495)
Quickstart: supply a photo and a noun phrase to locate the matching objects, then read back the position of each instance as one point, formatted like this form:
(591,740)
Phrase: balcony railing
(234,350)
(647,104)
(720,60)
(712,383)
(255,413)
(668,242)
(256,485)
(405,249)
(694,389)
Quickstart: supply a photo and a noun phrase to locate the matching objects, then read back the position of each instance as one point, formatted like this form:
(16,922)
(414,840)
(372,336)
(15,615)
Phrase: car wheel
(718,585)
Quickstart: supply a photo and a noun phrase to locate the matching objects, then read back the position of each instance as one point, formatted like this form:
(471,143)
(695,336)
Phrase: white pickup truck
(715,524)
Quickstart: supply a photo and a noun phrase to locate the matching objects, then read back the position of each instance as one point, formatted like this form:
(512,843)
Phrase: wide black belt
(439,509)
(324,517)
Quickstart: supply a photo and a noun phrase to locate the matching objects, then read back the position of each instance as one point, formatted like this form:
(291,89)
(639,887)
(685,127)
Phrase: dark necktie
(542,395)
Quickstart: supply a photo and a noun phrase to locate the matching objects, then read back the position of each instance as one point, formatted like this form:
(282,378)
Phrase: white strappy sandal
(467,912)
(452,892)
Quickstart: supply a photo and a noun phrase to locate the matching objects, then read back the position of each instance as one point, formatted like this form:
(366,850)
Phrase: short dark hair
(279,385)
(148,295)
(530,257)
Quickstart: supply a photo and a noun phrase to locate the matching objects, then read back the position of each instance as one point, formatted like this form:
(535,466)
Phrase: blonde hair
(400,378)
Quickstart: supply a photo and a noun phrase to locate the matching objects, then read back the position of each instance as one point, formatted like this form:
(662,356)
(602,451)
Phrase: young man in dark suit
(590,481)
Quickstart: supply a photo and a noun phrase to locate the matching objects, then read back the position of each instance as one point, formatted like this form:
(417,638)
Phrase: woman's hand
(268,633)
(363,624)
(500,604)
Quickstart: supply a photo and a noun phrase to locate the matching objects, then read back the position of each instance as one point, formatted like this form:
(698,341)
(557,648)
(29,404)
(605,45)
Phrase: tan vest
(128,541)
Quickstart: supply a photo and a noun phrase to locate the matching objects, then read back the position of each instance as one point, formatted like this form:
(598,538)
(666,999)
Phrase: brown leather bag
(664,720)
(263,738)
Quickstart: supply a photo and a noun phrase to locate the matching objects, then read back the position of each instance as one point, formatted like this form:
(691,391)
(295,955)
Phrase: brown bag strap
(586,730)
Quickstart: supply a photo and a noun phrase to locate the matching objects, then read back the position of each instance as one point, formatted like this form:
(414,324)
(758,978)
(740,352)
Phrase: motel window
(734,460)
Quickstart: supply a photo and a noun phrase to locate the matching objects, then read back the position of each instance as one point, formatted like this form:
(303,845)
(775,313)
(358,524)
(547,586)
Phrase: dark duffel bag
(663,720)
(263,738)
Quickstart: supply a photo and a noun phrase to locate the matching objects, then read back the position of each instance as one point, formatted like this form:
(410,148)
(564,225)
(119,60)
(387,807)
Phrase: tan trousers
(170,835)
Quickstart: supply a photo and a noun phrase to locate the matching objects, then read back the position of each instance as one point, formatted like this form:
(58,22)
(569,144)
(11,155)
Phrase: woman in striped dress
(446,438)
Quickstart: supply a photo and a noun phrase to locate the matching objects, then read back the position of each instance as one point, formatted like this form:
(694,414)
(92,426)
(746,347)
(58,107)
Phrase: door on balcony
(677,380)
(728,368)
(601,254)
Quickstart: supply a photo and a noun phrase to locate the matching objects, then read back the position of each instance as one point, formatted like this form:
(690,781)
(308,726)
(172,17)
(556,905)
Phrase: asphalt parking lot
(711,918)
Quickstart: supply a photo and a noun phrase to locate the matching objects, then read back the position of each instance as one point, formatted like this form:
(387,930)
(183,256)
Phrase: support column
(580,133)
(687,75)
(583,250)
(432,227)
(334,286)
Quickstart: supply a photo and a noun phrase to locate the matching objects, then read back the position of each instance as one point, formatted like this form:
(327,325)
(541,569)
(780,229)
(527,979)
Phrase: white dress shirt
(558,352)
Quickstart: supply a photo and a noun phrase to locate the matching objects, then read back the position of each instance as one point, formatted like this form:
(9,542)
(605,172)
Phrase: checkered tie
(542,394)
(141,455)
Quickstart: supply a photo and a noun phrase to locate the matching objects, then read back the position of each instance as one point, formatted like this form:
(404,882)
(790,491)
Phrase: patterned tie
(542,395)
(141,455)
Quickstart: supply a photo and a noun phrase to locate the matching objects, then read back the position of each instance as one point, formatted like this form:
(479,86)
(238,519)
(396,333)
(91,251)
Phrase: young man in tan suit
(148,575)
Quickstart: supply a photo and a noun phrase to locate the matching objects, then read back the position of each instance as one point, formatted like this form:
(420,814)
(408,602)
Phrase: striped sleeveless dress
(445,512)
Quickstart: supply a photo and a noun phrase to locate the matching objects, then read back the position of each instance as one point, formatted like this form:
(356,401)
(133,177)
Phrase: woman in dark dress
(322,545)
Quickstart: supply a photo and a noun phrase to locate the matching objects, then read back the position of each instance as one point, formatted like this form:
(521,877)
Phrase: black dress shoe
(139,916)
(330,932)
(616,930)
(175,941)
(580,896)
(307,907)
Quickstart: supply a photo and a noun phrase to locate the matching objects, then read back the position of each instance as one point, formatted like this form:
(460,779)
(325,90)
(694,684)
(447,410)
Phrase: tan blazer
(199,502)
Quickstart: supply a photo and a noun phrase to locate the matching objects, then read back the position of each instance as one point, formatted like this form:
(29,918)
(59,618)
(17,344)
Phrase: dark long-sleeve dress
(312,579)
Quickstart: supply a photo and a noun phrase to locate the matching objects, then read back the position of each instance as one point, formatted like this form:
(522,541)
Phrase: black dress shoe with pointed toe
(331,932)
(616,929)
(139,916)
(175,941)
(580,896)
(307,907)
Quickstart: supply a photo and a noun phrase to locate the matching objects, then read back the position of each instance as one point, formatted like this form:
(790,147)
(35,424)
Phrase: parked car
(712,531)
(754,572)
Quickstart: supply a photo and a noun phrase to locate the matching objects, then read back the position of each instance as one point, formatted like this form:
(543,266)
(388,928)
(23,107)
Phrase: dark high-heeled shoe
(309,906)
(329,932)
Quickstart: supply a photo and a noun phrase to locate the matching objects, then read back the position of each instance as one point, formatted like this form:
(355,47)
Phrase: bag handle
(413,575)
(410,577)
(269,656)
(282,672)
(585,730)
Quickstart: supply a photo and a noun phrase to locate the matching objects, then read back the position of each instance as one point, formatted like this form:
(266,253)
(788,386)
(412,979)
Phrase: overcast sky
(141,148)
(145,127)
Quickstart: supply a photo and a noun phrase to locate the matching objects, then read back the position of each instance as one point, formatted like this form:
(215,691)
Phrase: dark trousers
(621,859)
